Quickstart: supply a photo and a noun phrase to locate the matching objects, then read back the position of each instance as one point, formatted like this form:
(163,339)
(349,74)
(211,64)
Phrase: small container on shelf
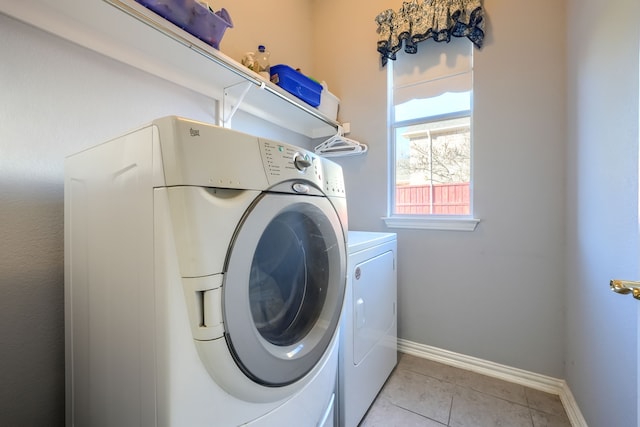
(328,103)
(193,17)
(262,62)
(209,26)
(297,84)
(177,12)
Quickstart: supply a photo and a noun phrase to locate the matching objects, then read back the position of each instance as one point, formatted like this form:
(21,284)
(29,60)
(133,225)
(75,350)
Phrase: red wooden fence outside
(448,199)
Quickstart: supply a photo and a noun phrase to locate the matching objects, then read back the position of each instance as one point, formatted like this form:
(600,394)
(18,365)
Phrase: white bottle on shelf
(262,60)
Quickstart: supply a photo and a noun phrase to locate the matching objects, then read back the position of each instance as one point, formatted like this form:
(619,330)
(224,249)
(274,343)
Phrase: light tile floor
(423,393)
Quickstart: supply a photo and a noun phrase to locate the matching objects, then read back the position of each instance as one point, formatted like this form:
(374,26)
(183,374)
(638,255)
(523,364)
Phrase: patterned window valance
(420,20)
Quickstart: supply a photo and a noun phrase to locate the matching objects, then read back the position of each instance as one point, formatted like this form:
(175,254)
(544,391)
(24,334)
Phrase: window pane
(433,167)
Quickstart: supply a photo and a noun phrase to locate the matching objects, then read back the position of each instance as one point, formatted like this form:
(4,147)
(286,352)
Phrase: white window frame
(421,221)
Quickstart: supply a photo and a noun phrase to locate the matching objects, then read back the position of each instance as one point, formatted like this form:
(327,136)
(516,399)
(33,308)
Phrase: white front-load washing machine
(205,275)
(368,336)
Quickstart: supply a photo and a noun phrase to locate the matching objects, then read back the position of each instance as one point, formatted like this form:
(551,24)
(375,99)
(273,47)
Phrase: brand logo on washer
(358,273)
(194,132)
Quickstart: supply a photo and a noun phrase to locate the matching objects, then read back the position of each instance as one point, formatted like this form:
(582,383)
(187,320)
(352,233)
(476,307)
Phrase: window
(430,113)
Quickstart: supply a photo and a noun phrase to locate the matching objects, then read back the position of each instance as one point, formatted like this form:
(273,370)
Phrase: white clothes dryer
(368,336)
(205,275)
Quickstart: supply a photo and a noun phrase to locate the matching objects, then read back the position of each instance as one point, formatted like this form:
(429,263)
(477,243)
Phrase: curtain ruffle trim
(437,19)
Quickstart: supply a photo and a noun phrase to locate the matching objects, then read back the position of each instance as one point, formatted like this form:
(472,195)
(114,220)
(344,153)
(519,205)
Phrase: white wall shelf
(132,34)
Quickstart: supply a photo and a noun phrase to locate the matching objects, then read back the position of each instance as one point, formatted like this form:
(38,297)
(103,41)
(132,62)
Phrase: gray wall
(602,208)
(506,304)
(495,293)
(57,99)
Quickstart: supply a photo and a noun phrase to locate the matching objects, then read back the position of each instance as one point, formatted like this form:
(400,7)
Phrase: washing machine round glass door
(284,286)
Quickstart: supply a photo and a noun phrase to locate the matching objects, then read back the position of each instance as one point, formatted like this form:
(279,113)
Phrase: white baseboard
(528,379)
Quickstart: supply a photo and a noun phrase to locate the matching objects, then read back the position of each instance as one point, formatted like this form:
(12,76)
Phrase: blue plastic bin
(297,84)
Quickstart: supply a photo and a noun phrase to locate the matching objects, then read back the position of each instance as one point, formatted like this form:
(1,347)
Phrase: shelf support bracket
(232,99)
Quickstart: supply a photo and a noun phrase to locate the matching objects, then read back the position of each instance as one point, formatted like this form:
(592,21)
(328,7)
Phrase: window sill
(432,223)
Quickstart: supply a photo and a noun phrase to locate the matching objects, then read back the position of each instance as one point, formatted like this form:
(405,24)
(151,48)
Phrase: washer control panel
(284,162)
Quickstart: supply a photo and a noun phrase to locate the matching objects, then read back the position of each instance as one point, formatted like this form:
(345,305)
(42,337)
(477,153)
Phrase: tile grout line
(418,414)
(526,397)
(451,409)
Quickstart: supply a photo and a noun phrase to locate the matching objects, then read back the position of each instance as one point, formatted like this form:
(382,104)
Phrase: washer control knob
(301,163)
